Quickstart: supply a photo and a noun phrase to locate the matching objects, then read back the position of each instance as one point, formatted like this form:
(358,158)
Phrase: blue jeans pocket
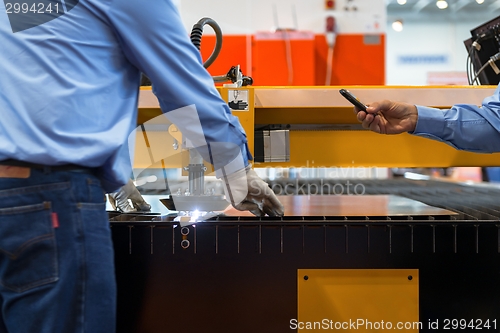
(28,251)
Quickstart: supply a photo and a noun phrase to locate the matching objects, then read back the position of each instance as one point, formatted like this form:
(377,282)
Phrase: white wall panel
(427,38)
(249,16)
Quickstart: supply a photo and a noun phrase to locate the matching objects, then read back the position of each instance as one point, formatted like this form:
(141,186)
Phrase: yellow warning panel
(357,300)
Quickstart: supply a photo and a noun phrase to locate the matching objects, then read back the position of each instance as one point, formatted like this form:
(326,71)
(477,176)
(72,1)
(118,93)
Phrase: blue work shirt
(69,81)
(464,126)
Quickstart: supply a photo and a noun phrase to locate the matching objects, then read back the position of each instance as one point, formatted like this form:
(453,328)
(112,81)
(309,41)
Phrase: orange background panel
(354,62)
(270,63)
(234,52)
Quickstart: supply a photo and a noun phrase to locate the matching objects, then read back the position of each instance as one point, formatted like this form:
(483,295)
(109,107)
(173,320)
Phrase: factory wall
(426,48)
(296,55)
(416,56)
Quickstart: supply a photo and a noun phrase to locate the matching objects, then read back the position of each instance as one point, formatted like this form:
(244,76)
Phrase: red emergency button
(330,4)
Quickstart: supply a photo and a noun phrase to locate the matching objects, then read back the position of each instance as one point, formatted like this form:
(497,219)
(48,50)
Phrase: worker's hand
(246,191)
(388,117)
(119,200)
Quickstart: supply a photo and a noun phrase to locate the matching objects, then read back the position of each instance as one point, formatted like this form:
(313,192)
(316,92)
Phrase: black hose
(197,32)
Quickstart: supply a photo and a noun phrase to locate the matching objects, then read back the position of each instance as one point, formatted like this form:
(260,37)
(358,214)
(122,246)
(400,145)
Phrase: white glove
(119,200)
(246,191)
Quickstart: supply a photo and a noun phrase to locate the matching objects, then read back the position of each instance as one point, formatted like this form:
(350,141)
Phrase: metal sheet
(333,205)
(351,205)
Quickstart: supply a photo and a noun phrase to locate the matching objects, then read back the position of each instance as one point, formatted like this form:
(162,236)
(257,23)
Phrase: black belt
(63,167)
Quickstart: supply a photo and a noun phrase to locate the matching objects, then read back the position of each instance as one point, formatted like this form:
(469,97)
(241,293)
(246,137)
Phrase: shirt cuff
(239,163)
(430,122)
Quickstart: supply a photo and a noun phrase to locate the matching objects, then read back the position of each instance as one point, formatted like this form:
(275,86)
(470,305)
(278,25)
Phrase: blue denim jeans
(56,255)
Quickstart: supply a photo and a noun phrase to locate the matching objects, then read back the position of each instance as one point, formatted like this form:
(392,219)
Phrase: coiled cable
(197,33)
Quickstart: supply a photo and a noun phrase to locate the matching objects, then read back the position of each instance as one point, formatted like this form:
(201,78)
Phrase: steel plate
(351,205)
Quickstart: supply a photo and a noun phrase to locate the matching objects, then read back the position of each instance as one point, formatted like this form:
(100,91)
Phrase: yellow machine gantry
(324,131)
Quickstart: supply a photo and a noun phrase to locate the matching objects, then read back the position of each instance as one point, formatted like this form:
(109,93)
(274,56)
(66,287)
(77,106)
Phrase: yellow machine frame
(342,147)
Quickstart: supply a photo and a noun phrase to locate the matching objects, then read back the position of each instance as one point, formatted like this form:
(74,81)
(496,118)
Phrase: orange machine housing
(355,61)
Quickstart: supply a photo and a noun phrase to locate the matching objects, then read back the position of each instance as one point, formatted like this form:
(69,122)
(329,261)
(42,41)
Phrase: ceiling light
(478,1)
(397,25)
(402,2)
(442,4)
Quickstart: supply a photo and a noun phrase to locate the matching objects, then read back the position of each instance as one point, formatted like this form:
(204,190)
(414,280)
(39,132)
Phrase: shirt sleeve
(153,39)
(464,126)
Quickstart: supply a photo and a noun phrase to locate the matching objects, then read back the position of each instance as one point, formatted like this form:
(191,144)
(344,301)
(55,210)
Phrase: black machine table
(436,242)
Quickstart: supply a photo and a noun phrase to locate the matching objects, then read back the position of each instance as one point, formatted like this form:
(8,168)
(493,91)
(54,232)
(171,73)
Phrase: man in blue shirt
(69,78)
(464,126)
